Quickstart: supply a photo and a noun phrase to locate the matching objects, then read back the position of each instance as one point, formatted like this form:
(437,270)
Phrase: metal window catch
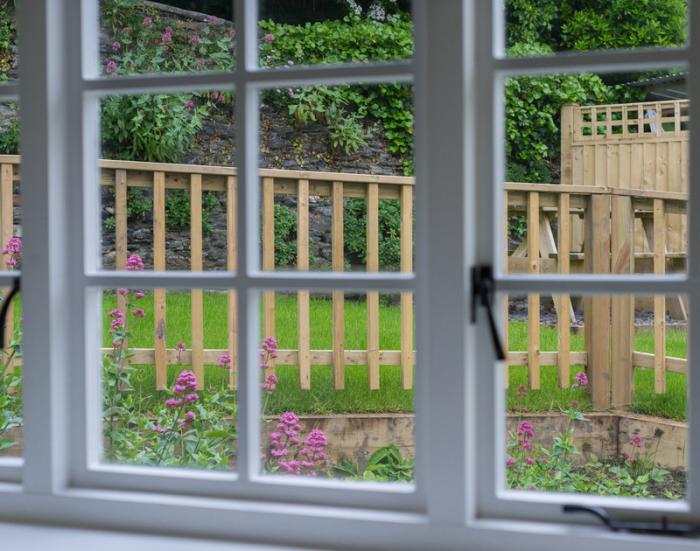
(5,309)
(663,527)
(483,287)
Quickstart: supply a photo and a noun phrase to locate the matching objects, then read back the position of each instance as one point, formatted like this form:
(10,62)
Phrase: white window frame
(453,503)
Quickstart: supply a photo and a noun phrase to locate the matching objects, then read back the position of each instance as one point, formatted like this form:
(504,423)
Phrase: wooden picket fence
(621,208)
(195,179)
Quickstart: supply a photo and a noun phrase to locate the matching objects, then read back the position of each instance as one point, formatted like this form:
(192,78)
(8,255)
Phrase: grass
(357,398)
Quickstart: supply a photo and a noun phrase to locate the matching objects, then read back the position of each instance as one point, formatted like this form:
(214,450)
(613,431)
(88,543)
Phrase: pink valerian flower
(117,324)
(270,383)
(530,461)
(116,46)
(269,37)
(122,291)
(134,263)
(161,430)
(167,36)
(139,294)
(138,312)
(225,361)
(189,105)
(116,313)
(187,380)
(525,435)
(116,343)
(521,392)
(196,39)
(111,67)
(268,352)
(289,454)
(180,348)
(213,19)
(581,379)
(189,398)
(636,441)
(511,461)
(147,21)
(13,251)
(173,402)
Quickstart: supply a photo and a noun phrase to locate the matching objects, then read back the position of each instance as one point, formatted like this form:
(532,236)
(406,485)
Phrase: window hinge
(659,528)
(5,308)
(483,287)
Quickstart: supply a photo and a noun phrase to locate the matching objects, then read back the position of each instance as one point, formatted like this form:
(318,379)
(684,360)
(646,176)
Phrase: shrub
(152,127)
(285,236)
(9,137)
(355,232)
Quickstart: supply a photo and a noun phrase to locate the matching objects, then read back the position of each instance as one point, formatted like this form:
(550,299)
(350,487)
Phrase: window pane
(137,38)
(541,28)
(597,395)
(337,185)
(590,162)
(174,206)
(337,385)
(8,41)
(11,252)
(169,367)
(302,33)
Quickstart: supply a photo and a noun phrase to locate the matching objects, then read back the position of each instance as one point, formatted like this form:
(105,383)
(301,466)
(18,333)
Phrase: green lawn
(323,398)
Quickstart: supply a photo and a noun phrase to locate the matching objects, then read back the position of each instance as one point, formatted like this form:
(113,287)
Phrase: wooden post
(197,295)
(373,296)
(622,306)
(232,266)
(597,308)
(563,300)
(268,246)
(533,299)
(304,323)
(121,245)
(407,298)
(659,300)
(338,259)
(6,232)
(506,324)
(160,353)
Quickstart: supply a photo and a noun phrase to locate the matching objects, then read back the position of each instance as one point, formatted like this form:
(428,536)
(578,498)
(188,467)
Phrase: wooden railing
(196,179)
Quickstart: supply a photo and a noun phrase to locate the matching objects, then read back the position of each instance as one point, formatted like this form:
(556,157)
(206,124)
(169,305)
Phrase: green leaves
(385,464)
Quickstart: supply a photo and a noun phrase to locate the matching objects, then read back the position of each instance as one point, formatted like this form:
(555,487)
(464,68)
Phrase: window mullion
(440,316)
(44,32)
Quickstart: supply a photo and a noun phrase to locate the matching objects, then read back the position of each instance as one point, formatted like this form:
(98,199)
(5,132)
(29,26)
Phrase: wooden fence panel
(232,266)
(303,300)
(659,246)
(406,345)
(338,265)
(6,232)
(159,266)
(533,299)
(268,261)
(373,296)
(197,295)
(563,300)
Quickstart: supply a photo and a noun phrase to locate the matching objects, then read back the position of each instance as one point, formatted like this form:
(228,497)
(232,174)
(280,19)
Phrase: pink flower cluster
(111,67)
(13,251)
(185,384)
(268,352)
(307,459)
(270,383)
(581,380)
(225,361)
(636,441)
(134,263)
(525,435)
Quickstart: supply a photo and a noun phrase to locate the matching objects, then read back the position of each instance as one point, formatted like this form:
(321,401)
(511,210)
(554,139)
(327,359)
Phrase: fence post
(7,231)
(268,260)
(232,266)
(160,352)
(622,306)
(533,299)
(597,308)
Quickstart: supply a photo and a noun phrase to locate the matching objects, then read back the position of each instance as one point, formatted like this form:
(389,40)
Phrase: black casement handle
(5,308)
(483,287)
(659,528)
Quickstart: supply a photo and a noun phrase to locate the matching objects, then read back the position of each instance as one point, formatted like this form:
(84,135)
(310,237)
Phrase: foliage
(177,210)
(153,127)
(10,390)
(596,24)
(385,464)
(533,467)
(342,108)
(285,236)
(355,232)
(8,37)
(533,105)
(9,137)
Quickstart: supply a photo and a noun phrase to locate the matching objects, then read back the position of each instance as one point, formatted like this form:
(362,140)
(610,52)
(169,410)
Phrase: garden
(337,193)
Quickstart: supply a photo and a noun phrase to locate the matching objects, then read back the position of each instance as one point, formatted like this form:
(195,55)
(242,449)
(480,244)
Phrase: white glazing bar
(270,280)
(246,157)
(693,292)
(639,284)
(612,60)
